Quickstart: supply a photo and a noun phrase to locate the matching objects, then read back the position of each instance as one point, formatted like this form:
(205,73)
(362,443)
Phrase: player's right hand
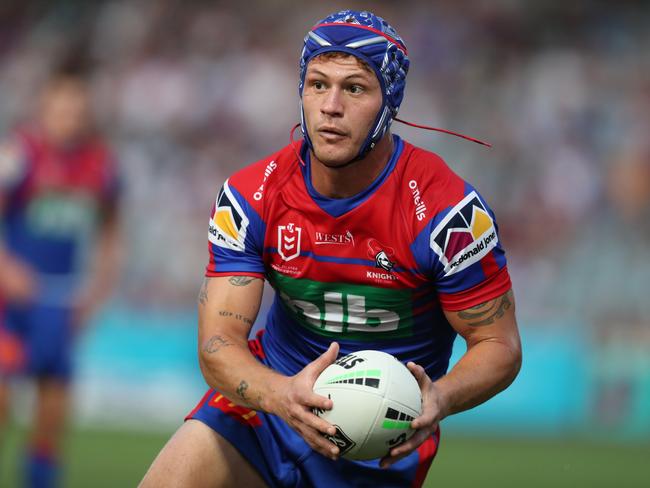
(295,405)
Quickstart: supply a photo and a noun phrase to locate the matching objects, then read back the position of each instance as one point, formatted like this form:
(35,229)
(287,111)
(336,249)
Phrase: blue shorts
(37,341)
(284,459)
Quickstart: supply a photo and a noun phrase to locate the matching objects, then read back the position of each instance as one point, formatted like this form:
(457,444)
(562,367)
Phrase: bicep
(493,320)
(228,306)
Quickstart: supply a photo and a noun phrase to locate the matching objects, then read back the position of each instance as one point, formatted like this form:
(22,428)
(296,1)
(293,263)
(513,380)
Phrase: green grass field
(103,459)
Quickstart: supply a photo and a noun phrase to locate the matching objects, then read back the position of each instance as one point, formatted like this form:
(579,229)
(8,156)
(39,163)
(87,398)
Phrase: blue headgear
(372,39)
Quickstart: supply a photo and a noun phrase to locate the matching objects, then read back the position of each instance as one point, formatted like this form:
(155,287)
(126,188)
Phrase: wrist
(272,399)
(443,398)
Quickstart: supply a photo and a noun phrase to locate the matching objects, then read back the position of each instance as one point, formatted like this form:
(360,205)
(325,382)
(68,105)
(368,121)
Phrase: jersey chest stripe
(340,260)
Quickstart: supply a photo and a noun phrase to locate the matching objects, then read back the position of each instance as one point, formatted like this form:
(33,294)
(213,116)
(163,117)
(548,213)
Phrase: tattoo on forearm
(241,390)
(203,292)
(237,316)
(486,313)
(214,343)
(240,280)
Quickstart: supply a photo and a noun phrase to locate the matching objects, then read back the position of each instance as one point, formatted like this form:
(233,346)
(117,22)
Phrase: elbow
(202,363)
(203,366)
(212,362)
(515,361)
(209,370)
(206,362)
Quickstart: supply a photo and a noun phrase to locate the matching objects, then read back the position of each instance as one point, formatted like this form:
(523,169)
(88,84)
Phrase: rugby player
(369,243)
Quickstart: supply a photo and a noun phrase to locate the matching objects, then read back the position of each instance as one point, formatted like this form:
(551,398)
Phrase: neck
(352,178)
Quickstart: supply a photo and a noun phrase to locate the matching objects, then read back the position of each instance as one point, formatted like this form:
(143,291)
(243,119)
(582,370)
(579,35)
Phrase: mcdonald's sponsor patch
(464,236)
(228,223)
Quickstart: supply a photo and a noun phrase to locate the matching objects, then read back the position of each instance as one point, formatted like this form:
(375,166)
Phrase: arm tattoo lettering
(486,313)
(241,390)
(203,292)
(214,343)
(240,280)
(237,316)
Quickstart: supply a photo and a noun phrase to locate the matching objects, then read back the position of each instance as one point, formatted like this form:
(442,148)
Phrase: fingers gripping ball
(375,399)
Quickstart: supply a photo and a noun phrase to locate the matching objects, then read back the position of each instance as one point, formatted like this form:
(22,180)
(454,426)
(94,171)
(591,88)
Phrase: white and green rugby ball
(375,399)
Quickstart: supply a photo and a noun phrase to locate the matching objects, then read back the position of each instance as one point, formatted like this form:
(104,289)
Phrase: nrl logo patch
(228,223)
(464,236)
(289,241)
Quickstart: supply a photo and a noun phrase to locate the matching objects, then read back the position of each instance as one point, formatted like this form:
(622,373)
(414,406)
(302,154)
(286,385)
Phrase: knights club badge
(289,241)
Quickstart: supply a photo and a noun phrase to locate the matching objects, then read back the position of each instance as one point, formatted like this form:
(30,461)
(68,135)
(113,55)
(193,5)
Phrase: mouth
(331,133)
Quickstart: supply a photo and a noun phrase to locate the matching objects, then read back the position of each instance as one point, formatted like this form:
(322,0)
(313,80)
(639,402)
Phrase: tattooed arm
(493,355)
(227,309)
(489,365)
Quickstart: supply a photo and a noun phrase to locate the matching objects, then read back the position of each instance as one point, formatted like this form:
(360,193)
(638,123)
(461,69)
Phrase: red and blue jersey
(53,200)
(373,271)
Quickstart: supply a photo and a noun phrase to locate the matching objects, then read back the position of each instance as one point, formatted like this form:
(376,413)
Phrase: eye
(318,85)
(356,89)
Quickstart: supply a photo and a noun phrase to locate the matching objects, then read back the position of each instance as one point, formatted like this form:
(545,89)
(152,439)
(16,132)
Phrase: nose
(332,103)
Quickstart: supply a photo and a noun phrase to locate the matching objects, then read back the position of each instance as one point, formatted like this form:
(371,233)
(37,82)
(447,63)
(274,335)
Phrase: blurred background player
(59,247)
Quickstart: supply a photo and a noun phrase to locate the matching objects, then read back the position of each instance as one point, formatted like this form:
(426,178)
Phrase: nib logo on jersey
(464,236)
(228,224)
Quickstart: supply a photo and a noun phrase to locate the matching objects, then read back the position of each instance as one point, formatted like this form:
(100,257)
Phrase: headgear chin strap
(371,39)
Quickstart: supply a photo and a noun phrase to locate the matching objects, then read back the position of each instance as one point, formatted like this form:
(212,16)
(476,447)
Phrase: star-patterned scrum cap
(372,39)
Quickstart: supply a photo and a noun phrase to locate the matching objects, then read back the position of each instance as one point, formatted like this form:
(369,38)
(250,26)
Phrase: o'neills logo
(335,239)
(267,172)
(464,236)
(420,206)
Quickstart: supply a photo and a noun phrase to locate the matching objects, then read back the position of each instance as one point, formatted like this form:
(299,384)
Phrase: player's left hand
(426,424)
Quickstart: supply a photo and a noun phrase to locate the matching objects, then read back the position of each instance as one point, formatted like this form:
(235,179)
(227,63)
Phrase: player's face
(341,99)
(65,111)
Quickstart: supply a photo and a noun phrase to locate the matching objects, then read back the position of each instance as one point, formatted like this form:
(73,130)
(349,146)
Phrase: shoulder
(456,236)
(259,181)
(97,158)
(100,147)
(238,211)
(427,184)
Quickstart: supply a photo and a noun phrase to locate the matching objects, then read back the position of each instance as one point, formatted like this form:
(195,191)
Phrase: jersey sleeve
(461,251)
(235,236)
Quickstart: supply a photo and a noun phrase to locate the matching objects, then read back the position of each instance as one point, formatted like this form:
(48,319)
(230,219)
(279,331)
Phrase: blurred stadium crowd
(190,91)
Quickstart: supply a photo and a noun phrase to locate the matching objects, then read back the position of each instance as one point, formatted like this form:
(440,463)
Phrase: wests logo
(228,223)
(464,236)
(335,239)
